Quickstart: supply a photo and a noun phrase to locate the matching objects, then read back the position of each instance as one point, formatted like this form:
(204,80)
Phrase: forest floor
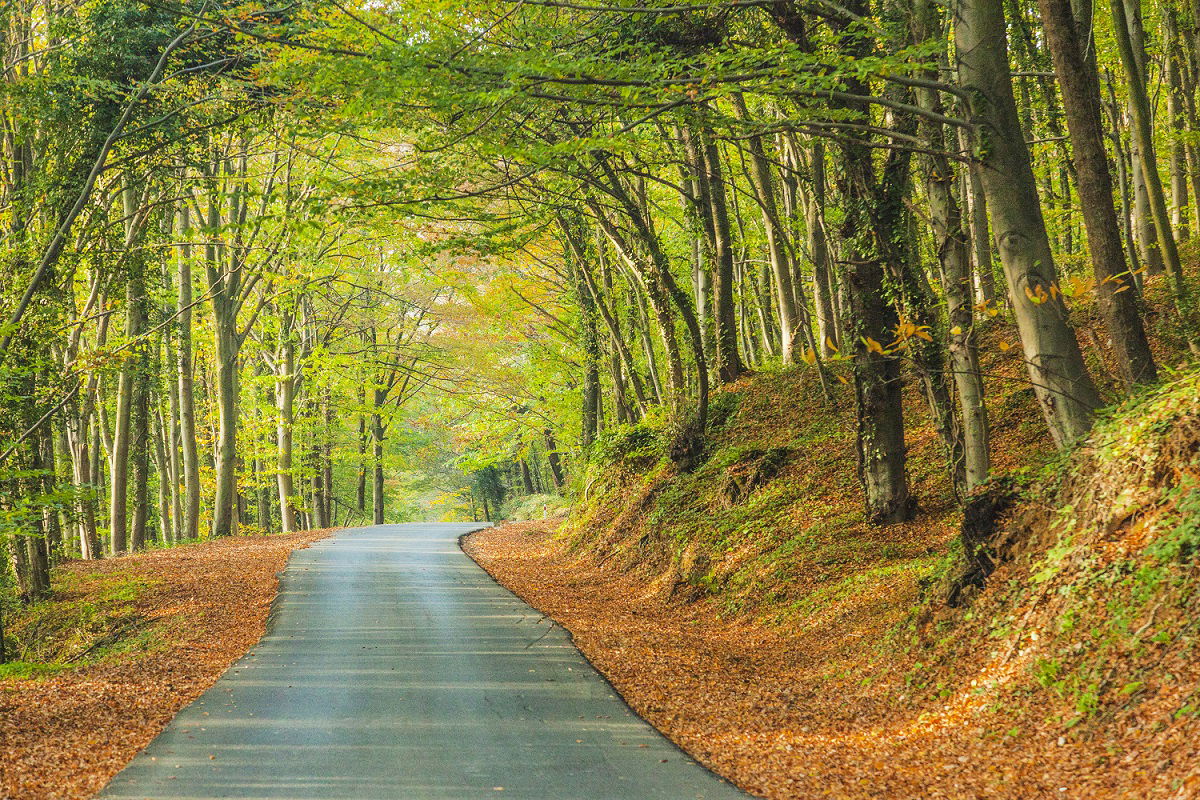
(770,709)
(125,643)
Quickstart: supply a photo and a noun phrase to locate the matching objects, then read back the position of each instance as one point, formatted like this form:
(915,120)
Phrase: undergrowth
(1091,615)
(88,617)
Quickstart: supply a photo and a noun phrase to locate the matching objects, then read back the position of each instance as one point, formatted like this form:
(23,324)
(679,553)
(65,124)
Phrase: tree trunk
(190,466)
(1060,379)
(1122,160)
(377,432)
(285,402)
(226,357)
(167,520)
(713,210)
(127,394)
(981,241)
(326,461)
(37,556)
(872,320)
(781,267)
(953,253)
(1127,27)
(824,293)
(1080,85)
(590,342)
(575,241)
(360,489)
(659,302)
(556,471)
(1178,122)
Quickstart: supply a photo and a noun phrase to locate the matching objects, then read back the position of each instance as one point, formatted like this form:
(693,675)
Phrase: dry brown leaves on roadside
(206,604)
(785,716)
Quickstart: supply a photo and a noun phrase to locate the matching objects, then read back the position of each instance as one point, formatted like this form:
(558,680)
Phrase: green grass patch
(76,622)
(28,670)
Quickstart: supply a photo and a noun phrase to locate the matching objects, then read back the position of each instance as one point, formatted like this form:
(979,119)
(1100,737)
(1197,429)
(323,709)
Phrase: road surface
(394,668)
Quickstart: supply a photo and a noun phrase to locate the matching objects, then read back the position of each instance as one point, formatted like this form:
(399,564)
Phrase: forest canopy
(271,269)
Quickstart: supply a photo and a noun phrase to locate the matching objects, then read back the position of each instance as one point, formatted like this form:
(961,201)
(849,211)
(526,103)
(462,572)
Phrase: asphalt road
(394,668)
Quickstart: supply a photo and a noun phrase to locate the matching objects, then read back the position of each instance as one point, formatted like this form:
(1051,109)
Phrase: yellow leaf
(1004,347)
(872,345)
(810,357)
(991,312)
(924,334)
(830,345)
(956,330)
(842,378)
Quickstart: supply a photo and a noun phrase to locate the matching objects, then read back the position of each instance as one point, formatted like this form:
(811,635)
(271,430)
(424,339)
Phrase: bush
(722,406)
(627,444)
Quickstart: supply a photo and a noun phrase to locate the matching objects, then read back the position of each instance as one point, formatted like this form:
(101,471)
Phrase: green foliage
(78,622)
(627,445)
(487,486)
(722,409)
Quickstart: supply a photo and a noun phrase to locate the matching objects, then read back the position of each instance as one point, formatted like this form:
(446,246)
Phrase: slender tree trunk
(262,494)
(1122,159)
(1191,148)
(317,483)
(170,473)
(981,240)
(377,432)
(99,479)
(167,521)
(37,559)
(327,462)
(953,251)
(81,463)
(1178,120)
(659,302)
(829,324)
(1129,37)
(360,496)
(590,341)
(781,267)
(713,211)
(1080,85)
(285,402)
(190,528)
(140,459)
(639,319)
(51,520)
(127,395)
(226,357)
(575,241)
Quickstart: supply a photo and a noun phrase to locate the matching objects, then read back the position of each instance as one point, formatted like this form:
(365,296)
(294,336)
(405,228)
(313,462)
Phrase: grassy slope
(801,538)
(1087,634)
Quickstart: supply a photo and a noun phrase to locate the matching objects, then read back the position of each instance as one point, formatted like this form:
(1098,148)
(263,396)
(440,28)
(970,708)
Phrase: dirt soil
(203,607)
(784,715)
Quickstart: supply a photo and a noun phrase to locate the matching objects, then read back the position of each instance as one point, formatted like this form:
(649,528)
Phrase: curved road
(394,668)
